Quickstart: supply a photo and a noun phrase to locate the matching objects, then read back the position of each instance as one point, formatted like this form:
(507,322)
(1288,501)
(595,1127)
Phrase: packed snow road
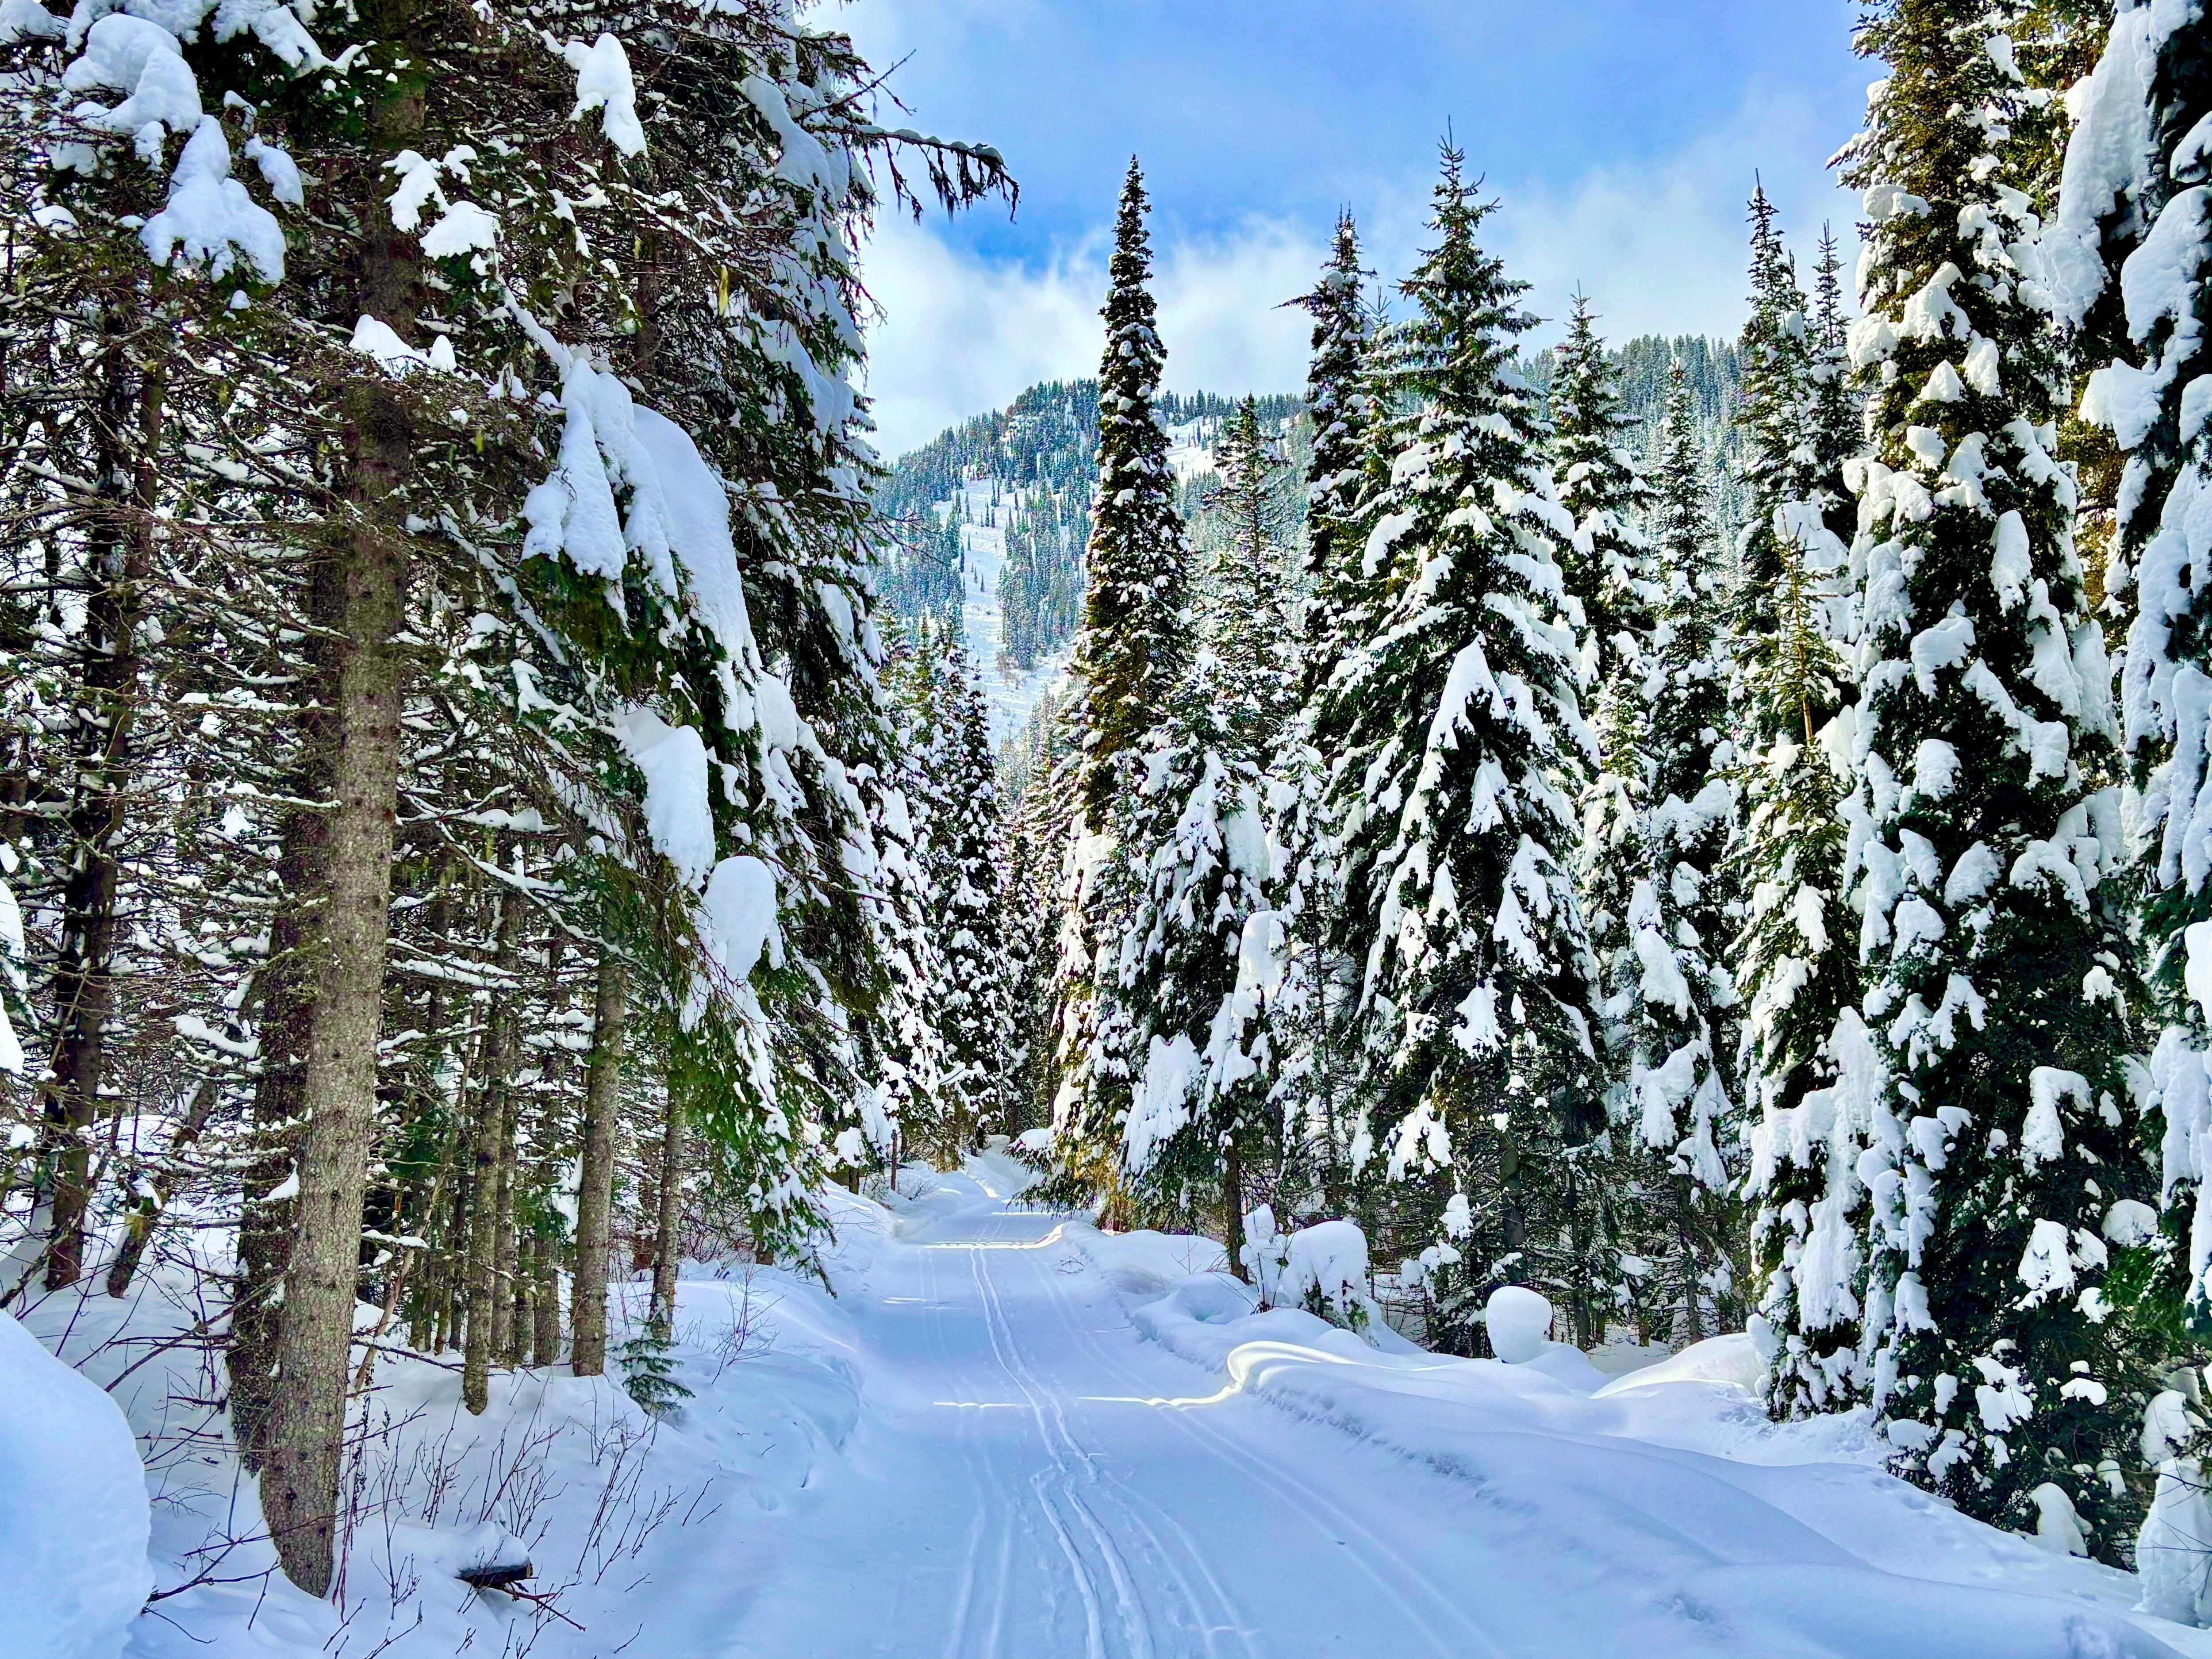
(1045,1483)
(1051,1462)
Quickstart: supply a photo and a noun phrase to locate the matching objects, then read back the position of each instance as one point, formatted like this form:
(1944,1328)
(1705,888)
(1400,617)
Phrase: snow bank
(73,1513)
(1778,1539)
(617,1513)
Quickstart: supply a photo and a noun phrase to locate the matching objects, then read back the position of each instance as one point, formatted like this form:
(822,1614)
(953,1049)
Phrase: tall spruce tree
(1202,948)
(2126,256)
(1601,485)
(1777,356)
(1312,1084)
(1128,660)
(1459,737)
(1671,1004)
(1987,1085)
(1340,591)
(1796,960)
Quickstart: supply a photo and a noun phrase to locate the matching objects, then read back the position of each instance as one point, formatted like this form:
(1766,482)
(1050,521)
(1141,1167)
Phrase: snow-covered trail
(1071,1445)
(1035,1479)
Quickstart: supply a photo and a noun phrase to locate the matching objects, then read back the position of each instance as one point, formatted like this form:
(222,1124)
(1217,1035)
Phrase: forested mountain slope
(986,523)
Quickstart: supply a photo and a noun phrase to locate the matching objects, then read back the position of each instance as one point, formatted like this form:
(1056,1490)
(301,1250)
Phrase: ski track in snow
(1012,1436)
(1033,1479)
(1105,1501)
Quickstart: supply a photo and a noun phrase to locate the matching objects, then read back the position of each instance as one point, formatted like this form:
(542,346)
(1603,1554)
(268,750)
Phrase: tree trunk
(305,1437)
(1232,1183)
(503,1240)
(121,538)
(481,1336)
(587,1292)
(545,1307)
(300,1480)
(1689,1319)
(265,1224)
(667,1247)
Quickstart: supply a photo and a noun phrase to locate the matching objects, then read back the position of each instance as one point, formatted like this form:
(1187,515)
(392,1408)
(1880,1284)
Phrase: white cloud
(1660,248)
(960,335)
(1663,247)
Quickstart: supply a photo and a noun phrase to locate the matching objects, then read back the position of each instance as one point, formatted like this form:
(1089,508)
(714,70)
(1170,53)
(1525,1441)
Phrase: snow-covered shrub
(1321,1268)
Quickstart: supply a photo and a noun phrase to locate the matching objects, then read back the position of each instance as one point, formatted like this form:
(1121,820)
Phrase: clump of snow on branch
(604,83)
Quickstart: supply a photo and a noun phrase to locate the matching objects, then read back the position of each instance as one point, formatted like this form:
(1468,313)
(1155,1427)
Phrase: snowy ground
(1010,1435)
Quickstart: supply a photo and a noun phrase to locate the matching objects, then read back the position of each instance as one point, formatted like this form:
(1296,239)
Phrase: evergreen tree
(1605,491)
(1985,1086)
(1835,416)
(973,1014)
(1671,1005)
(1133,647)
(1772,415)
(1451,725)
(1202,945)
(1312,1084)
(1795,962)
(1042,816)
(1128,660)
(2132,198)
(1339,590)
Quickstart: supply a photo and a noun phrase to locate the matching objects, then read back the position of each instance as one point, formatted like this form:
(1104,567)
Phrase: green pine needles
(1985,1083)
(1458,742)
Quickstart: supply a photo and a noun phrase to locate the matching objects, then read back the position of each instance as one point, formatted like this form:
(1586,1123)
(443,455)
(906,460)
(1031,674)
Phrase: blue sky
(1621,136)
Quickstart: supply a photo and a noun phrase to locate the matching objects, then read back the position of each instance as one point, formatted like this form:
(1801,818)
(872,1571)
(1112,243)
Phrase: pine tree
(1601,485)
(1778,379)
(2131,198)
(1202,943)
(1835,417)
(1340,591)
(1796,962)
(1312,1081)
(1985,1086)
(1041,819)
(1133,647)
(1128,660)
(951,781)
(1452,722)
(1672,1002)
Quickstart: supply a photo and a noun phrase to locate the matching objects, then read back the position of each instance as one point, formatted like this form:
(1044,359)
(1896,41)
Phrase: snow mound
(1321,1268)
(74,1521)
(1520,1323)
(1732,1360)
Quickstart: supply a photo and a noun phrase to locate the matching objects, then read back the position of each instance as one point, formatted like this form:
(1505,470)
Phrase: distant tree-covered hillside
(1042,450)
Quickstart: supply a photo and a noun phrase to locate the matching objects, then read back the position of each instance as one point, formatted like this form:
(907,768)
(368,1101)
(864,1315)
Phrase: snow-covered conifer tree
(1133,647)
(2126,256)
(1985,1084)
(1605,490)
(1795,959)
(1340,596)
(946,744)
(1457,739)
(1775,350)
(1128,660)
(1671,1001)
(1339,588)
(1202,946)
